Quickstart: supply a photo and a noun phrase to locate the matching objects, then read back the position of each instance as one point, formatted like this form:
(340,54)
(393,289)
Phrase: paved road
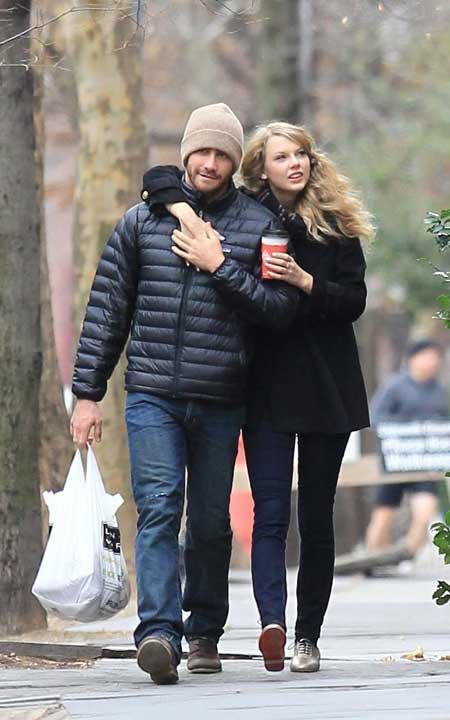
(370,623)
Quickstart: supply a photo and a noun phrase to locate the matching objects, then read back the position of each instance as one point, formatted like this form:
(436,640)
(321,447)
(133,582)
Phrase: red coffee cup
(271,242)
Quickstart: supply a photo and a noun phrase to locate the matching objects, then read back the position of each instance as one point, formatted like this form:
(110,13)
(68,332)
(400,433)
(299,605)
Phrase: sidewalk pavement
(371,622)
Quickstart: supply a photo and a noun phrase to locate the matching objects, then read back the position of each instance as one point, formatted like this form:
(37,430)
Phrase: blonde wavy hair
(328,198)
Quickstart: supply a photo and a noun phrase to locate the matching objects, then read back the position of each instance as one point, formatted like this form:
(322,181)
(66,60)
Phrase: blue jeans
(165,437)
(270,460)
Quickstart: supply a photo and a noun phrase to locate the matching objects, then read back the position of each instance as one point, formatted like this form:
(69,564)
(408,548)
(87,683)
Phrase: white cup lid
(271,240)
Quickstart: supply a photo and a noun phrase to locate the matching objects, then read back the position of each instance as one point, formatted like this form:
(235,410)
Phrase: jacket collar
(198,199)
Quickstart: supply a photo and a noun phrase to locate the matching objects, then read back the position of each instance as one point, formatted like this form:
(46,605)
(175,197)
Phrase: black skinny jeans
(270,458)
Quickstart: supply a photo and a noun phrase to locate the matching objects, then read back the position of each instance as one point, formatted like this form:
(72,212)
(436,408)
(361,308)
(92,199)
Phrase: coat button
(144,194)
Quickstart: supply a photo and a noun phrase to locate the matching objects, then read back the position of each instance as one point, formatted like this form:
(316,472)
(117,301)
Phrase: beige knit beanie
(214,126)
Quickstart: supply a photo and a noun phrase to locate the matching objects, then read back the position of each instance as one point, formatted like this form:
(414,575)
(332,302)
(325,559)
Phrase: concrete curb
(49,651)
(68,652)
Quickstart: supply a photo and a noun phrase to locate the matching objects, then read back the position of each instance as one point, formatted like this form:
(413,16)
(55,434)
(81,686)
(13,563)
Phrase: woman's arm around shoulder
(162,185)
(162,191)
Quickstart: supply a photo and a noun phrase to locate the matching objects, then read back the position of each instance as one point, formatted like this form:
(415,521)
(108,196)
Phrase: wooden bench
(367,471)
(356,473)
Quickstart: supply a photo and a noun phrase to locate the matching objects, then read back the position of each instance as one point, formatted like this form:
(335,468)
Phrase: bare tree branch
(228,10)
(72,10)
(133,10)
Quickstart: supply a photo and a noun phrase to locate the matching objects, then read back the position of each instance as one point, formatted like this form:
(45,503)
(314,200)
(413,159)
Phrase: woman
(305,383)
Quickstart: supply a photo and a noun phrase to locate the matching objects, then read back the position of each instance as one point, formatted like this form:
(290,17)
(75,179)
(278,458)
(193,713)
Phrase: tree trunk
(305,62)
(56,445)
(278,86)
(287,62)
(20,342)
(112,156)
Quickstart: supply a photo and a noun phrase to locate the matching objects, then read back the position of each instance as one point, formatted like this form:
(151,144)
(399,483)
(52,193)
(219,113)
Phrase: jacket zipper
(188,274)
(181,324)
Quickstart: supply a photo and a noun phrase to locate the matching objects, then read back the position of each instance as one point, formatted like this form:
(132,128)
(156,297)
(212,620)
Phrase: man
(189,310)
(415,394)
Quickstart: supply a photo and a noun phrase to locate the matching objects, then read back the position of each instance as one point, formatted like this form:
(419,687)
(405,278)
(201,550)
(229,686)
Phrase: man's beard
(210,195)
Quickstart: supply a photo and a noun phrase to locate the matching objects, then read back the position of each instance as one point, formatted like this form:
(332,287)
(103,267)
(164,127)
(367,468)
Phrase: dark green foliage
(442,541)
(439,227)
(442,593)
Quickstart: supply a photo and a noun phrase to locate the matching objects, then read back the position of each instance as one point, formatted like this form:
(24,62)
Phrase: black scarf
(291,221)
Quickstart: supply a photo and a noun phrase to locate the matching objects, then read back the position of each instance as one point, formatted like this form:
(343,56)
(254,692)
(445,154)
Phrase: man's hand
(204,250)
(85,417)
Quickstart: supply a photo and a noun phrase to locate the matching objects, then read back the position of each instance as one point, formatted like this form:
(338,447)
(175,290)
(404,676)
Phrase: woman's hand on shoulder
(191,223)
(282,266)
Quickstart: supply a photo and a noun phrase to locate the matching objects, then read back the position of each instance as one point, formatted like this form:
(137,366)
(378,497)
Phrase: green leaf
(443,600)
(441,540)
(441,529)
(442,532)
(447,514)
(442,593)
(443,546)
(437,526)
(447,559)
(444,302)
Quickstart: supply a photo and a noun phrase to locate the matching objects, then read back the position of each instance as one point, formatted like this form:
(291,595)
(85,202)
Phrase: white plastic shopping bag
(116,585)
(83,575)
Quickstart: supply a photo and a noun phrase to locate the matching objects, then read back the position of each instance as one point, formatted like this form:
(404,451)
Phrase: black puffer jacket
(189,329)
(308,379)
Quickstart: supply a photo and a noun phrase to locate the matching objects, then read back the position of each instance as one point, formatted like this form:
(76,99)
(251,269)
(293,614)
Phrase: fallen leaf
(416,655)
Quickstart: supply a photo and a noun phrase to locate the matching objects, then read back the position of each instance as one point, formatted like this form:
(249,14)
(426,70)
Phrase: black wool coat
(309,378)
(306,379)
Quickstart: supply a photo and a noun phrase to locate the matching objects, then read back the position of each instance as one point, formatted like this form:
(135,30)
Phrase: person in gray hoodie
(412,394)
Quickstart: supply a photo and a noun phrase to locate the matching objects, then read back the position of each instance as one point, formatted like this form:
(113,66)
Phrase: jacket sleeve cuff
(221,271)
(158,200)
(94,395)
(161,178)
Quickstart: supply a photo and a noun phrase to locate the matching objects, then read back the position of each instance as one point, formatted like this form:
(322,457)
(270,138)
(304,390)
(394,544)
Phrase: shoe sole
(204,670)
(304,670)
(156,660)
(271,644)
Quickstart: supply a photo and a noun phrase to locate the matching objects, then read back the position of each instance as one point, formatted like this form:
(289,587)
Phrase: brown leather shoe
(156,657)
(271,644)
(203,656)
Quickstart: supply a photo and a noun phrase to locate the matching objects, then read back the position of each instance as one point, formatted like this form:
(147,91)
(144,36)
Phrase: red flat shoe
(271,644)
